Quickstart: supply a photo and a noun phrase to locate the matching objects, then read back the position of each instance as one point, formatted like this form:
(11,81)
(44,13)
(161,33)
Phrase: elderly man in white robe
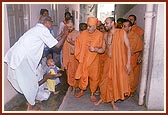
(23,60)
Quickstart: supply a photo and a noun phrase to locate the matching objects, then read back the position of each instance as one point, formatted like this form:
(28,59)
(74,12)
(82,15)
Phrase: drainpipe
(149,14)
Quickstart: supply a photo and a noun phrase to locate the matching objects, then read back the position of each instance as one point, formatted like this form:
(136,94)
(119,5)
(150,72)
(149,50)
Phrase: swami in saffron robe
(114,84)
(136,45)
(88,68)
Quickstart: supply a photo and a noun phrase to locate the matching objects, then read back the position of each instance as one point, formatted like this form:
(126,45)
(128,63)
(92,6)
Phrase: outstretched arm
(63,37)
(58,37)
(45,77)
(71,39)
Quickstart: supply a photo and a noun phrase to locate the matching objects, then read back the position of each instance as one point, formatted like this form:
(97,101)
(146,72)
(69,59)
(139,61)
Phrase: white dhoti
(24,80)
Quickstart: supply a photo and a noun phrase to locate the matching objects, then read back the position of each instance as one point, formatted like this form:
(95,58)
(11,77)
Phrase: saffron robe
(114,84)
(138,30)
(88,68)
(70,63)
(136,45)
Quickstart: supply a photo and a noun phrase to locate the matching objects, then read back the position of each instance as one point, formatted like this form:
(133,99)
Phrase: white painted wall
(155,87)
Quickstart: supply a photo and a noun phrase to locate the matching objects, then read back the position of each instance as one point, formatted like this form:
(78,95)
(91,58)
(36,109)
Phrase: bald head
(46,21)
(132,18)
(43,19)
(111,19)
(127,25)
(109,23)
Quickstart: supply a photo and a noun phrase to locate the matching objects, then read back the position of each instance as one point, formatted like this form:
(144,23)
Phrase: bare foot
(72,90)
(114,107)
(32,108)
(99,102)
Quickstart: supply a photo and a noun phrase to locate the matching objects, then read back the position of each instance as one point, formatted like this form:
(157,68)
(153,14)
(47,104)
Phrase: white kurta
(28,51)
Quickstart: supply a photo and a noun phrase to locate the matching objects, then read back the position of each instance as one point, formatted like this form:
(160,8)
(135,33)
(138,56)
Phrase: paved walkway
(70,103)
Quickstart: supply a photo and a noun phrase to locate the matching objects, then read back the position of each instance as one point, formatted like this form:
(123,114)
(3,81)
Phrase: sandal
(80,94)
(93,99)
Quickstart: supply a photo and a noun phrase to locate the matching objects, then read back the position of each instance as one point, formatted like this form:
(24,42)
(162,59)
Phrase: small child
(52,69)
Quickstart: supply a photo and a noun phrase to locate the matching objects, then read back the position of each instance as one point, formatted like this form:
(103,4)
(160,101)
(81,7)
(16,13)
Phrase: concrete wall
(156,79)
(121,9)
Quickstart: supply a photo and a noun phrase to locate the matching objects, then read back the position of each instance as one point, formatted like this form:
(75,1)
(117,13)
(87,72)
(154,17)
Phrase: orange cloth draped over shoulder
(65,53)
(103,58)
(138,30)
(88,61)
(136,45)
(70,63)
(114,84)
